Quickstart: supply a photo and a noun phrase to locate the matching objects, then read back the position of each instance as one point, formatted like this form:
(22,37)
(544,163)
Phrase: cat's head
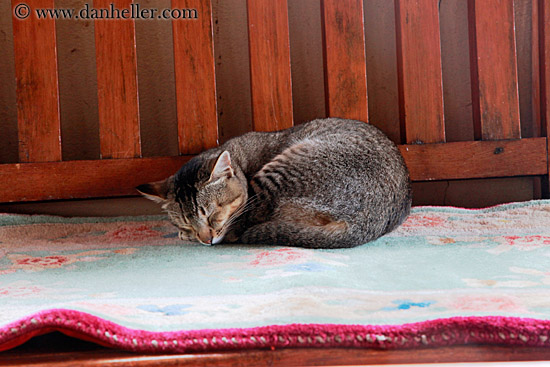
(202,199)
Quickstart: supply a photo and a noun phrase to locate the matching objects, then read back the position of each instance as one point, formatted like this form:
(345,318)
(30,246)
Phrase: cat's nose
(205,236)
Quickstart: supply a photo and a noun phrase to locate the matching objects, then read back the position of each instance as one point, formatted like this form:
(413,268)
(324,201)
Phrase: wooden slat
(270,64)
(117,84)
(345,60)
(540,185)
(536,49)
(495,99)
(476,159)
(419,71)
(195,78)
(35,54)
(82,179)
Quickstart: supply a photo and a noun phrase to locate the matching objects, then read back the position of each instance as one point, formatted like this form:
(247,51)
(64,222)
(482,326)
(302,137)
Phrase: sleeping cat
(328,183)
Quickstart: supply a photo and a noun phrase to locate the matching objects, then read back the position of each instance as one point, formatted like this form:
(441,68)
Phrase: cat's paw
(183,236)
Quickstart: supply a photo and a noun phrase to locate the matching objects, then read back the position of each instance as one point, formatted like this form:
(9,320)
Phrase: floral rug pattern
(441,263)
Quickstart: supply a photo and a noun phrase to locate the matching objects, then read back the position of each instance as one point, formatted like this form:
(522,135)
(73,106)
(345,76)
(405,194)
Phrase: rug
(447,276)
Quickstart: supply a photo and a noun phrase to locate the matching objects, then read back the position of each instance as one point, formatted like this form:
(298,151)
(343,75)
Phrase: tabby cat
(328,183)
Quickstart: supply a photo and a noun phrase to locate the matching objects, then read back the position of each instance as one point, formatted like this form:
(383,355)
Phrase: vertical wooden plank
(544,75)
(544,65)
(495,95)
(117,84)
(345,59)
(419,71)
(538,129)
(35,54)
(271,86)
(195,77)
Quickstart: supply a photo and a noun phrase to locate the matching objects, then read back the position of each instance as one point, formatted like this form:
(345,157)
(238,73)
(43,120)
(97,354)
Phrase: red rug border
(493,330)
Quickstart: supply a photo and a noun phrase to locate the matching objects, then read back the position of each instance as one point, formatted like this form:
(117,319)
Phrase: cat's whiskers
(237,214)
(246,206)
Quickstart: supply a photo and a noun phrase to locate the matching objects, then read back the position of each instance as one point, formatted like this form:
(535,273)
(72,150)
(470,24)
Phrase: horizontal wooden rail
(118,177)
(476,159)
(82,179)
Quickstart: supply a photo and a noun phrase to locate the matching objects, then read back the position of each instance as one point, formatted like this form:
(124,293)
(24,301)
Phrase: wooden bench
(497,151)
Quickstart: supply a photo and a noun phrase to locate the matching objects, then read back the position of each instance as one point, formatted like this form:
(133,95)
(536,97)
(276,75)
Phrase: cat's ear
(156,191)
(222,168)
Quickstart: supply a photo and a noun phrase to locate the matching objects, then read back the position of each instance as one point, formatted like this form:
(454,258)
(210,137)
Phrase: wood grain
(476,159)
(271,86)
(345,60)
(117,84)
(35,52)
(82,179)
(419,71)
(495,99)
(195,78)
(89,357)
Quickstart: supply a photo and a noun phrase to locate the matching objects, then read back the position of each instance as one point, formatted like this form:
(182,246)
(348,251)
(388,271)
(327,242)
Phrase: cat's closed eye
(215,222)
(233,201)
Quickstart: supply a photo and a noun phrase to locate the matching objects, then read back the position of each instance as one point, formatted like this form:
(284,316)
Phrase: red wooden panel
(195,78)
(419,71)
(35,54)
(270,64)
(117,84)
(494,69)
(345,60)
(476,159)
(82,179)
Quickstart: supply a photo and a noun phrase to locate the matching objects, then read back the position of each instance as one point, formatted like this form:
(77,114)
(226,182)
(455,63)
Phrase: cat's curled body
(328,183)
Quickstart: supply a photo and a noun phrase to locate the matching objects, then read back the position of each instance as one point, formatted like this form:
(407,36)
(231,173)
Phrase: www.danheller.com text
(134,11)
